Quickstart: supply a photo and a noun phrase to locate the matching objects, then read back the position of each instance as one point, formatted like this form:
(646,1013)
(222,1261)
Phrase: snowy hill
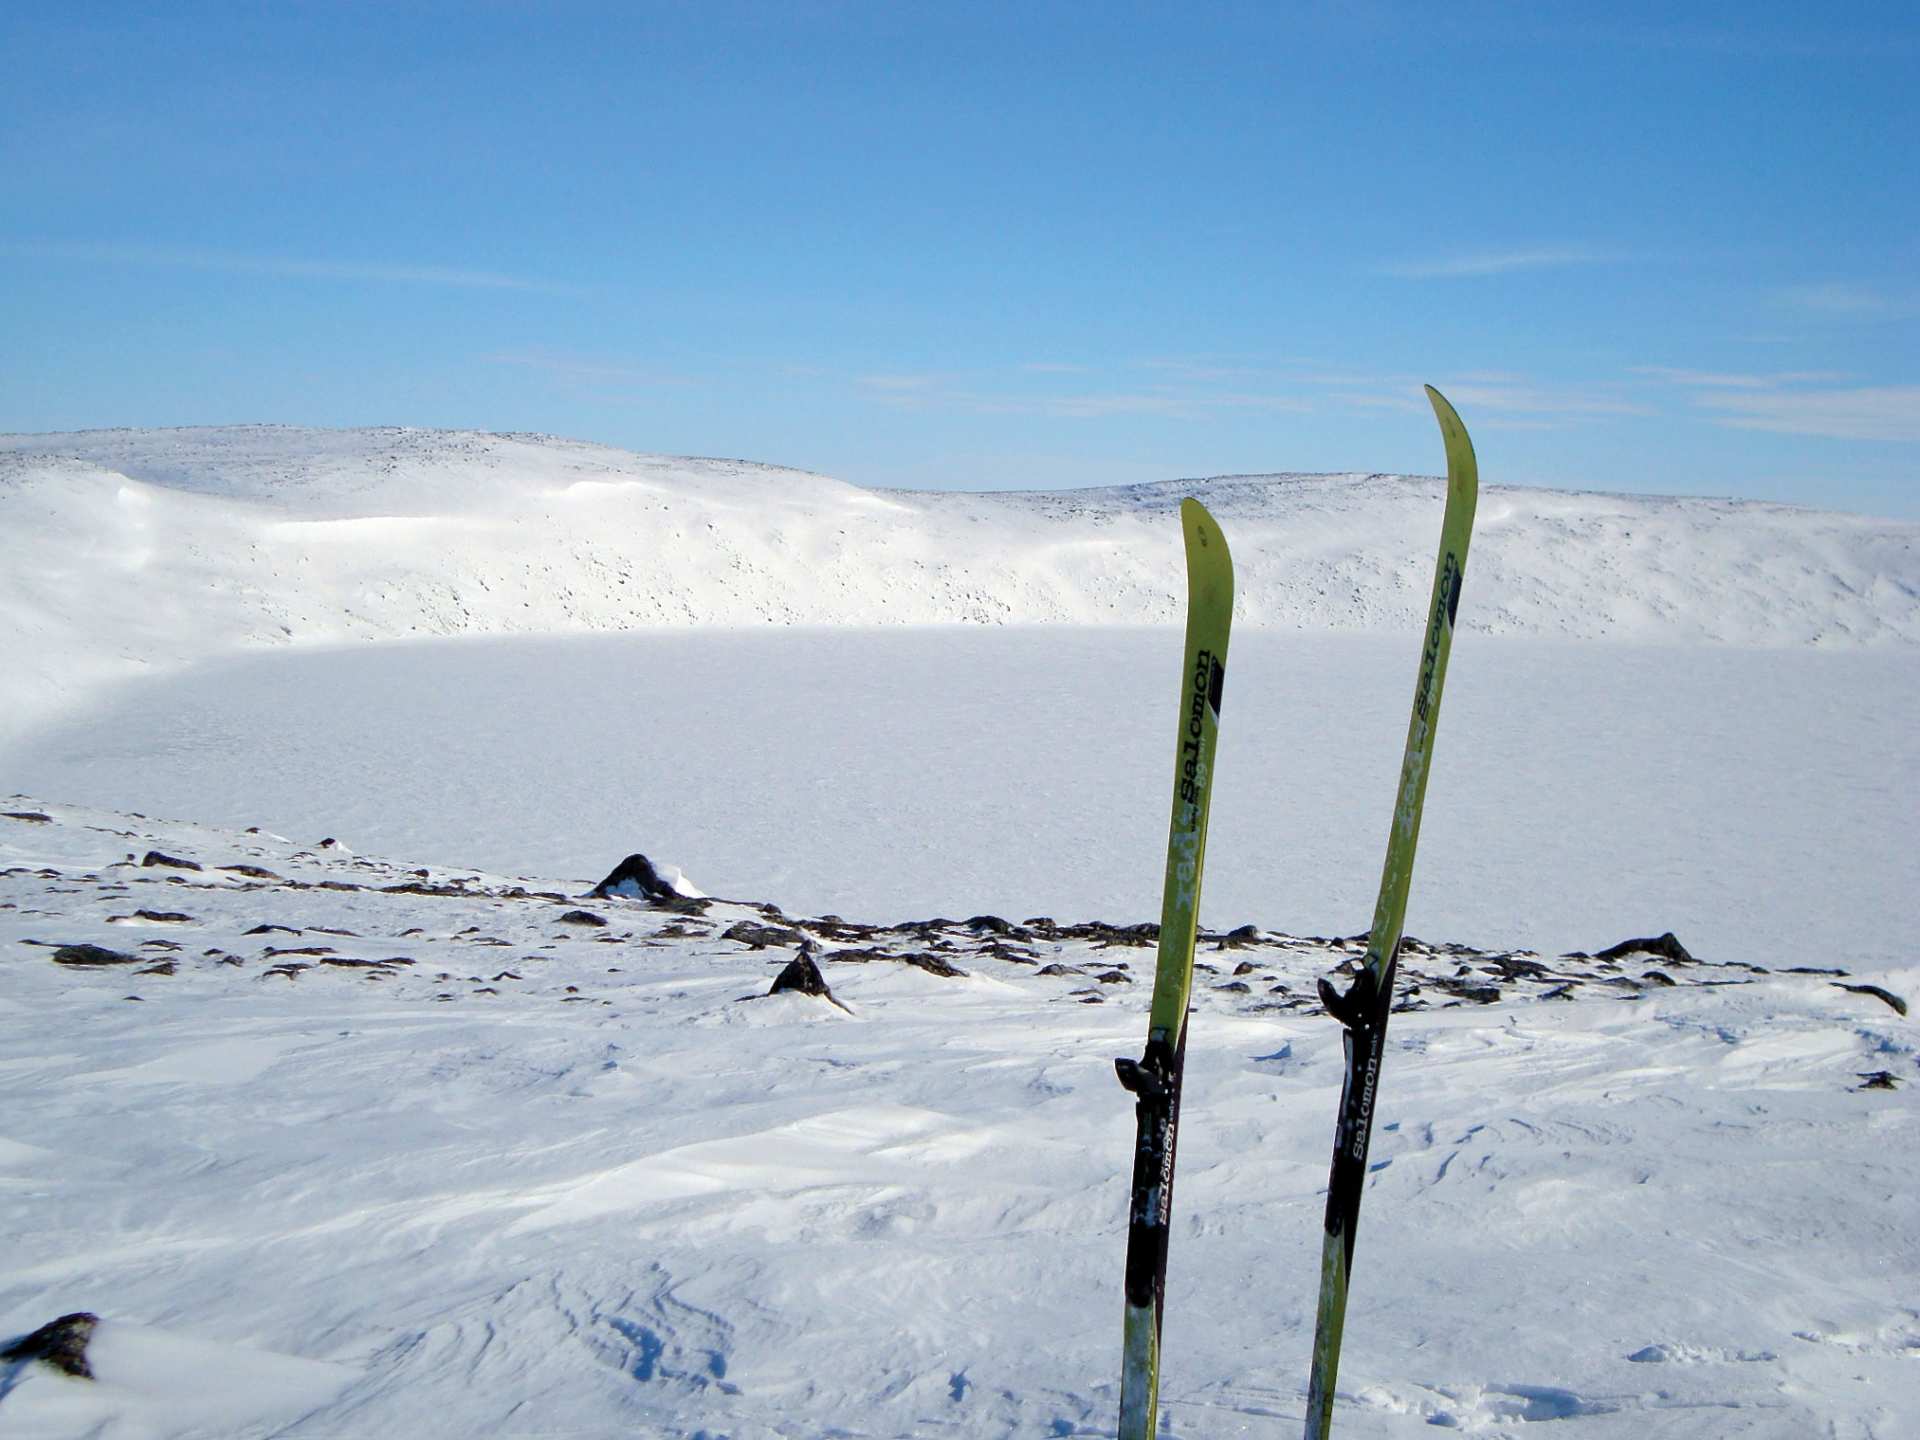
(130,550)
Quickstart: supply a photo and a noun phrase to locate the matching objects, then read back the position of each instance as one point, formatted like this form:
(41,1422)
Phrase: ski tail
(1363,1010)
(1154,1079)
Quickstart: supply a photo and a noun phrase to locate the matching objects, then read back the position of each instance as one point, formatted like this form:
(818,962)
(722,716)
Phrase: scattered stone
(759,937)
(252,872)
(151,917)
(1236,987)
(423,887)
(32,817)
(582,917)
(83,956)
(1114,977)
(803,976)
(1666,946)
(1659,977)
(635,878)
(933,965)
(60,1343)
(1058,969)
(290,971)
(1899,1005)
(1245,967)
(165,967)
(1878,1080)
(155,857)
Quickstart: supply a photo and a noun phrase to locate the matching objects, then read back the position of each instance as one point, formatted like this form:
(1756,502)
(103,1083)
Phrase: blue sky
(1663,247)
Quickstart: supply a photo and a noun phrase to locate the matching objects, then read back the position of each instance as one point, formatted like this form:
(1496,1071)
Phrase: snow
(144,550)
(431,1159)
(550,1179)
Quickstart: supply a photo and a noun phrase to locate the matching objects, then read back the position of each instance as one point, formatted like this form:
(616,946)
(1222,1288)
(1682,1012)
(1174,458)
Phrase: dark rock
(989,925)
(1810,970)
(165,967)
(32,817)
(88,955)
(933,965)
(1513,968)
(1899,1005)
(1666,946)
(582,917)
(420,887)
(1659,977)
(803,976)
(155,857)
(1877,1080)
(160,917)
(60,1343)
(1114,977)
(1237,987)
(635,879)
(1058,969)
(252,872)
(758,937)
(1245,967)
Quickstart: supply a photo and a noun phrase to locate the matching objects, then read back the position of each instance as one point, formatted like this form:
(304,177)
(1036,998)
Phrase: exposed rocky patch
(255,886)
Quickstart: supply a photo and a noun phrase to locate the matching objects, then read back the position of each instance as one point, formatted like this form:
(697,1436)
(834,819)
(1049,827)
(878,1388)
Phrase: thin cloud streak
(1876,412)
(284,267)
(587,372)
(1719,380)
(1500,262)
(1833,297)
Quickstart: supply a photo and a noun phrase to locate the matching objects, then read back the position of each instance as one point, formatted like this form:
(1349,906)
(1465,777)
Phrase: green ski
(1364,1009)
(1154,1079)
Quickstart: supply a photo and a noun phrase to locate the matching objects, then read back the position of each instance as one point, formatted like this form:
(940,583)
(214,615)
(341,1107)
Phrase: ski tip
(1443,410)
(1462,466)
(1202,529)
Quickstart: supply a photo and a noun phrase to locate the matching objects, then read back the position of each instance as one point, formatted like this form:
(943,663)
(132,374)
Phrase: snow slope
(126,552)
(429,1155)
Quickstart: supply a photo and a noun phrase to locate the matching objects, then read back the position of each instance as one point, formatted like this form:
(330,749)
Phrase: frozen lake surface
(1759,802)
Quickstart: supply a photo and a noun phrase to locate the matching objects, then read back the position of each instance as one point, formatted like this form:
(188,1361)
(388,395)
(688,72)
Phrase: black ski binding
(1151,1076)
(1355,1009)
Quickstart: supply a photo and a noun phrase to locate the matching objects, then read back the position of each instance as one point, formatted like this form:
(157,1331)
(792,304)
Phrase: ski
(1364,1009)
(1154,1079)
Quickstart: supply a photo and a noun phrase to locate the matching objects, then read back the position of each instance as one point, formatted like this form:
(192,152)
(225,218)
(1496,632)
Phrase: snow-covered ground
(429,1157)
(517,1174)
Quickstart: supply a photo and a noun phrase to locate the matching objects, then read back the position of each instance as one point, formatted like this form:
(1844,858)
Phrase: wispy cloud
(1044,390)
(233,262)
(588,372)
(1723,380)
(1495,262)
(1875,412)
(1799,402)
(1505,398)
(1863,302)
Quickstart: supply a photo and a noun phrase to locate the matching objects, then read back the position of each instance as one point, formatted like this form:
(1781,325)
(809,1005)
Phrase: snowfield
(349,1147)
(408,1134)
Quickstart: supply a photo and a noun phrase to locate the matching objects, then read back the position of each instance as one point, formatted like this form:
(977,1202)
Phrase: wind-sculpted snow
(335,1144)
(138,549)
